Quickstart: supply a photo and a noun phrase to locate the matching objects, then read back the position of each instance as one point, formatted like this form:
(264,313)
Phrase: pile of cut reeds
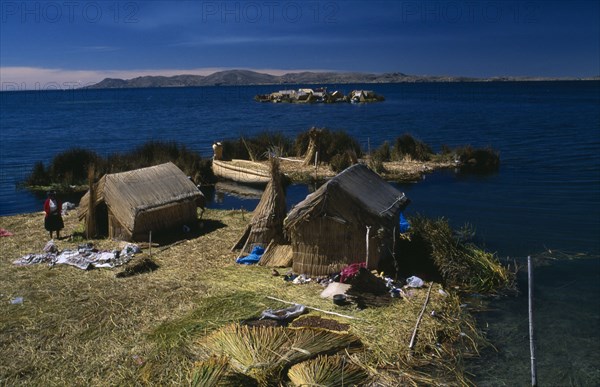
(328,371)
(263,352)
(461,264)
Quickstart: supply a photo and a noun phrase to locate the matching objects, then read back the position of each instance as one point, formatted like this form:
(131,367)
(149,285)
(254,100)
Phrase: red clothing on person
(47,206)
(53,220)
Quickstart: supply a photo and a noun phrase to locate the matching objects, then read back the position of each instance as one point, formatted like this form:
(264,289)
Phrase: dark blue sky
(82,40)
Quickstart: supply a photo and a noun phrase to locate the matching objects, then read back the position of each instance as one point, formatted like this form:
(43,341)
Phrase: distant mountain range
(247,77)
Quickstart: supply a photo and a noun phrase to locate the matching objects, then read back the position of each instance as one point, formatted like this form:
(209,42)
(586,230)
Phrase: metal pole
(367,245)
(531,341)
(396,268)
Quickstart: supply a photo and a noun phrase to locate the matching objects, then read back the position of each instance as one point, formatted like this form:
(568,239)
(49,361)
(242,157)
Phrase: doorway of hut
(412,258)
(101,214)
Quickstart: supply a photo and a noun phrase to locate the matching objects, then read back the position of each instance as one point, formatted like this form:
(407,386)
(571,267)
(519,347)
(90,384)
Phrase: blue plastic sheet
(404,225)
(253,257)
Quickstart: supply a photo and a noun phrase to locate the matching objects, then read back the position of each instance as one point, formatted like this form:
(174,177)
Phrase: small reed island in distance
(319,95)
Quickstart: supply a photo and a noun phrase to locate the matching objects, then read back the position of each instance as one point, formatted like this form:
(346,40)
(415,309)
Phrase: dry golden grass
(327,371)
(90,328)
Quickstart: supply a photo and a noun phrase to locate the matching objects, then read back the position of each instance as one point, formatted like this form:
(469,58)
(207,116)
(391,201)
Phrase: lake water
(546,195)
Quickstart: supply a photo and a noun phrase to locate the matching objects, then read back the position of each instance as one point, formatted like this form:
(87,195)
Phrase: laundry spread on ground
(85,257)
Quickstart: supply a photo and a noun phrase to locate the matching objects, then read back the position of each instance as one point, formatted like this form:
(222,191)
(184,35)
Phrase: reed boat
(241,171)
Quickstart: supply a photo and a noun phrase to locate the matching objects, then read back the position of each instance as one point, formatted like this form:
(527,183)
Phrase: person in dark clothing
(53,220)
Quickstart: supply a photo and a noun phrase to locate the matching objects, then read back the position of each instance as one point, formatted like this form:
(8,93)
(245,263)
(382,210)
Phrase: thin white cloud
(36,78)
(283,39)
(98,49)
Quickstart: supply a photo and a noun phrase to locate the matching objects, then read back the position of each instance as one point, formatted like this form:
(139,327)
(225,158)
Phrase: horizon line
(23,78)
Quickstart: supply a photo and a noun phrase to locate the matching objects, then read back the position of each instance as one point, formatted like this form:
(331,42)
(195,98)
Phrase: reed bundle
(217,372)
(266,224)
(327,371)
(263,352)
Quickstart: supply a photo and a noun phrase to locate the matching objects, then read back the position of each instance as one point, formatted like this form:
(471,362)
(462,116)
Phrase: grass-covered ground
(79,327)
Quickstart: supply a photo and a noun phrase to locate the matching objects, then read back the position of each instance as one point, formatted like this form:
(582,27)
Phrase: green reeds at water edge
(69,168)
(470,159)
(336,148)
(458,263)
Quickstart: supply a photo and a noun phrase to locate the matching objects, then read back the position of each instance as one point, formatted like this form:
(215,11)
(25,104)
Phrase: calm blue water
(545,196)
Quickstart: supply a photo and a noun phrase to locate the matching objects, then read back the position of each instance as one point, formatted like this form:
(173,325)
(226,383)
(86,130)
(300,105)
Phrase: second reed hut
(328,229)
(128,205)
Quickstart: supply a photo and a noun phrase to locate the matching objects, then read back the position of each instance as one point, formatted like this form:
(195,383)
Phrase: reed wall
(325,245)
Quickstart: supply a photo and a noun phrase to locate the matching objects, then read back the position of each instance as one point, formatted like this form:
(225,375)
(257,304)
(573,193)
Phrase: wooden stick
(414,335)
(90,223)
(317,309)
(293,160)
(250,153)
(531,341)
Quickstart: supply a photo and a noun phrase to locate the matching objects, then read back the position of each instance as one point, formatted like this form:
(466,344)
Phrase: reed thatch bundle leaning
(266,224)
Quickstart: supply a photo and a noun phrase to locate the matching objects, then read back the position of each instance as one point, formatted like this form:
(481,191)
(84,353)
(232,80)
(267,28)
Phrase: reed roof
(129,193)
(357,194)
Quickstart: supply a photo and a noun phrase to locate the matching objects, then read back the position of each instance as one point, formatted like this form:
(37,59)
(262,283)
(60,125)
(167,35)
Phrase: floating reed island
(182,312)
(319,95)
(314,154)
(320,153)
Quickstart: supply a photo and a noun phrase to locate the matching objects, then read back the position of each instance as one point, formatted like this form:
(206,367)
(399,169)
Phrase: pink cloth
(4,233)
(350,271)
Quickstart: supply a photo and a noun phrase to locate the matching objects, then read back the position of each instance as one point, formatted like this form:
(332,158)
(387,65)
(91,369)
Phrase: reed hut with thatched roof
(332,226)
(129,205)
(266,225)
